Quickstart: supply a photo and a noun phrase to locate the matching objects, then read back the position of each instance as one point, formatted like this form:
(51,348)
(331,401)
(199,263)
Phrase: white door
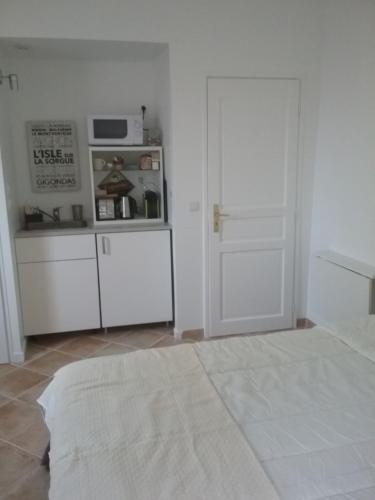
(135,277)
(252,174)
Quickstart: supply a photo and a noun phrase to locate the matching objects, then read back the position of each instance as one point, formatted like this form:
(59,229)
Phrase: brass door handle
(217,215)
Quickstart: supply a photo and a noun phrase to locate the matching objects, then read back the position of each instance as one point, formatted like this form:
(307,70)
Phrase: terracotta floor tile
(6,368)
(167,341)
(3,400)
(15,418)
(14,464)
(140,339)
(303,323)
(111,349)
(83,346)
(34,438)
(31,395)
(34,486)
(33,351)
(19,380)
(111,334)
(142,326)
(53,340)
(157,330)
(193,334)
(50,362)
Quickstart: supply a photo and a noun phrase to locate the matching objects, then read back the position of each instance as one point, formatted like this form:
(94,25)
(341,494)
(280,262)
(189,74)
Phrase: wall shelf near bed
(342,288)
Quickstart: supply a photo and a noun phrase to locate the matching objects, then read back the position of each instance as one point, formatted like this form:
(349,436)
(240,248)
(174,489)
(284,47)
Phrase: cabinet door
(135,277)
(59,296)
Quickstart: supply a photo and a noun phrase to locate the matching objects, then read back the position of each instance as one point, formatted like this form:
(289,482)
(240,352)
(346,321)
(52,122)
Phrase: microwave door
(112,129)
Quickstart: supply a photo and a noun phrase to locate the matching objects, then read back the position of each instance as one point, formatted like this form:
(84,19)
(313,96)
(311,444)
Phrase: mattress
(289,415)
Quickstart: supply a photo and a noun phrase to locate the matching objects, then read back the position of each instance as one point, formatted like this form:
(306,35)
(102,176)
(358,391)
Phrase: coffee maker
(152,204)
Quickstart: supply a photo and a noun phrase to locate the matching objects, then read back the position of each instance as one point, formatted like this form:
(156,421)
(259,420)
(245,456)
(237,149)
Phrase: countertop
(91,229)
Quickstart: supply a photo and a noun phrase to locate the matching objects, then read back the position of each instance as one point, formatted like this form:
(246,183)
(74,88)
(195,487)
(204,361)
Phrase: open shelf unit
(126,162)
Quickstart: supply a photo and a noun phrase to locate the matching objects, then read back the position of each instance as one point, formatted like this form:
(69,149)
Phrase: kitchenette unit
(116,270)
(86,151)
(89,278)
(89,139)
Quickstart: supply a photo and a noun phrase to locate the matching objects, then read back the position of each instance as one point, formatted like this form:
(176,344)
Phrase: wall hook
(12,80)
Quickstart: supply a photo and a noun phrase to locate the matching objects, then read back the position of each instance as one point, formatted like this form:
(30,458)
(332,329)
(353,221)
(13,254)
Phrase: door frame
(12,312)
(4,299)
(206,275)
(4,336)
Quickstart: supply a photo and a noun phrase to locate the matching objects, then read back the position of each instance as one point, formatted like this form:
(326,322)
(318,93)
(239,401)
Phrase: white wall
(163,120)
(8,227)
(344,190)
(71,90)
(215,37)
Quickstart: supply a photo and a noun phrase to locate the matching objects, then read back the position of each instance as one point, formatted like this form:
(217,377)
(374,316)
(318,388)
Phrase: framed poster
(53,156)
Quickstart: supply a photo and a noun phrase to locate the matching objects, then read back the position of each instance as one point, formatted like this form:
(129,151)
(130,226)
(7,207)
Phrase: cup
(77,211)
(99,164)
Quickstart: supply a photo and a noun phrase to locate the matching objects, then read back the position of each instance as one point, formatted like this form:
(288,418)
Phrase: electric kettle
(126,207)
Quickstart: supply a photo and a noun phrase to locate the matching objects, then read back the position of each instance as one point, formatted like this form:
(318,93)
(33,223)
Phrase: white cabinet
(135,277)
(58,283)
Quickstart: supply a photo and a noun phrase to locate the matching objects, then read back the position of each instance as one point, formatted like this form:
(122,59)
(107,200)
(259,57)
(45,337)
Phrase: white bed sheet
(305,401)
(153,424)
(146,426)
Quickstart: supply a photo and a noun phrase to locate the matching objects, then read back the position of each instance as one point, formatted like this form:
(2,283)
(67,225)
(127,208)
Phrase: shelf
(106,171)
(136,220)
(125,148)
(141,179)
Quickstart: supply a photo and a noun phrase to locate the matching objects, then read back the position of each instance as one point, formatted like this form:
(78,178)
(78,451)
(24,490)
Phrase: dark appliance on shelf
(152,204)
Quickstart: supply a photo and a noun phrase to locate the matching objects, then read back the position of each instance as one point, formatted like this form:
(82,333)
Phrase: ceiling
(79,49)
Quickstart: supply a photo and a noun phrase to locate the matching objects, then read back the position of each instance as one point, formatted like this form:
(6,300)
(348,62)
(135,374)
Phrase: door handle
(106,247)
(217,215)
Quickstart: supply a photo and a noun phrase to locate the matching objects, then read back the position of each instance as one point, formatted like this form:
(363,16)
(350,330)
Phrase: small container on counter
(77,212)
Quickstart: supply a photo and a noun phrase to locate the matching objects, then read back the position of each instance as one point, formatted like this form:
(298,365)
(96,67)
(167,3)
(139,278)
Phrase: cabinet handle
(106,246)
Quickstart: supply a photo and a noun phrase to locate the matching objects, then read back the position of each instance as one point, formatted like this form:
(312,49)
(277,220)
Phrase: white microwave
(116,130)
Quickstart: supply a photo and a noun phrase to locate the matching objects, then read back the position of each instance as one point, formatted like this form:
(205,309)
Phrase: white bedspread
(191,422)
(146,426)
(306,403)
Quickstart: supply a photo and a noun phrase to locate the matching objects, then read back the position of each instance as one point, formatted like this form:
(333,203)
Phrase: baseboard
(19,356)
(177,334)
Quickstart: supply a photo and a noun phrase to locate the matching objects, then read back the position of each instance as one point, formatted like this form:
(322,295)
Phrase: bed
(288,415)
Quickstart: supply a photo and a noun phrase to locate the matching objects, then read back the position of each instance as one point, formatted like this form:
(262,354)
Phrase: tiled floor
(23,435)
